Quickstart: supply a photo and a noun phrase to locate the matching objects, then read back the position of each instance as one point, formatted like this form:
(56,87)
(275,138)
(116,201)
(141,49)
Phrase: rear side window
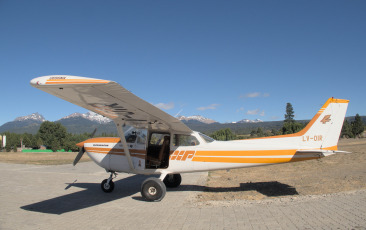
(185,140)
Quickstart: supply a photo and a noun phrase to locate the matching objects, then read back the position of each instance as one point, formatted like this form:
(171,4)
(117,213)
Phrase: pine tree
(289,125)
(289,116)
(357,126)
(347,130)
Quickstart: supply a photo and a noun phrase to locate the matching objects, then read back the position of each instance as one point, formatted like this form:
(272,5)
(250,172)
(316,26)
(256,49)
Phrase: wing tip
(65,80)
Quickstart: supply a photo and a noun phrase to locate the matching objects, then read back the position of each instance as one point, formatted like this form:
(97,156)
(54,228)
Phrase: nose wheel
(107,185)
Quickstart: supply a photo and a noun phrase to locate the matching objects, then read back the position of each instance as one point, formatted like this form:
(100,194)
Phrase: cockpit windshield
(206,138)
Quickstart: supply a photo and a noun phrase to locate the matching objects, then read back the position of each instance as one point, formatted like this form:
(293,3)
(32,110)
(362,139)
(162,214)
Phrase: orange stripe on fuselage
(250,160)
(180,155)
(134,152)
(257,156)
(174,155)
(247,153)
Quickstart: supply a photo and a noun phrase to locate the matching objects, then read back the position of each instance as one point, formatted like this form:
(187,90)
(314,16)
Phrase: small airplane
(161,144)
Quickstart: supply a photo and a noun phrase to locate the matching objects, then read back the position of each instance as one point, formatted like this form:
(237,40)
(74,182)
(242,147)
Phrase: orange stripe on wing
(75,81)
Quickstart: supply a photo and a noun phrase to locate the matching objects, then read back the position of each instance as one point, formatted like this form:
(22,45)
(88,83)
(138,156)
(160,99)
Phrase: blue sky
(225,60)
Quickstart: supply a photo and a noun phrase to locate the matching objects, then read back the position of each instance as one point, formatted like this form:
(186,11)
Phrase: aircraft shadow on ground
(91,196)
(271,188)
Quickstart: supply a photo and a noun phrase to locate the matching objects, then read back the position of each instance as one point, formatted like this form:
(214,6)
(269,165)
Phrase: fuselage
(200,153)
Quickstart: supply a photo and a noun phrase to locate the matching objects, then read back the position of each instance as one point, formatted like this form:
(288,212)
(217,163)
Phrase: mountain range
(74,123)
(86,122)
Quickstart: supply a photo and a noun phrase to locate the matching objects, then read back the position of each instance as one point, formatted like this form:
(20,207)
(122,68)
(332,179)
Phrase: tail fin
(324,129)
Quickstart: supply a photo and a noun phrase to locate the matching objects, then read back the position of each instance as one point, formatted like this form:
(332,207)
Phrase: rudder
(324,129)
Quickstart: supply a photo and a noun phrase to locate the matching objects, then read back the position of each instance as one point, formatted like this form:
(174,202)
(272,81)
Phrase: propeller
(82,150)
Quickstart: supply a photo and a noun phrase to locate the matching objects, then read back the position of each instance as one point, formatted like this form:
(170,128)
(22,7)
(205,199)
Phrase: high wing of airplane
(162,144)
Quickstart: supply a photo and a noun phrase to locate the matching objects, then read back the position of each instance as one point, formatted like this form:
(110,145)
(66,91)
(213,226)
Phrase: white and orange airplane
(161,144)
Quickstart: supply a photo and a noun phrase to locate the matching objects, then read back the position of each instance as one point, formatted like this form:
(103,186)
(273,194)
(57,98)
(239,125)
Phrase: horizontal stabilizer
(325,153)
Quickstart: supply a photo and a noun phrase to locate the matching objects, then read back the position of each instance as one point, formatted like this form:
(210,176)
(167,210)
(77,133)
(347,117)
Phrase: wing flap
(111,100)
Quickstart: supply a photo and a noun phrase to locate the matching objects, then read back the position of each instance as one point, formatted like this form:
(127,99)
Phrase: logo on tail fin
(325,119)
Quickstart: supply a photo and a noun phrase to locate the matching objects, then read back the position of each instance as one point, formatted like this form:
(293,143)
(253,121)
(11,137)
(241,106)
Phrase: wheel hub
(106,186)
(152,191)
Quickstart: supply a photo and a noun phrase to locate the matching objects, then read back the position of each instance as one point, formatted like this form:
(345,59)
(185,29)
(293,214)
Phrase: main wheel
(172,180)
(153,189)
(107,187)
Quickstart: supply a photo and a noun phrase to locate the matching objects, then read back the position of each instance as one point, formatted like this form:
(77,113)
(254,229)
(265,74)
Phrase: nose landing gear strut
(107,185)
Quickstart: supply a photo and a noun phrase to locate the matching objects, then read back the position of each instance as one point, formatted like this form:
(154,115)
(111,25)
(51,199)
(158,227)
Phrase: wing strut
(125,146)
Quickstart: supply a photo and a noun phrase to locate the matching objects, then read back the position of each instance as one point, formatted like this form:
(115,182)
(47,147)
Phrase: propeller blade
(93,133)
(78,157)
(82,150)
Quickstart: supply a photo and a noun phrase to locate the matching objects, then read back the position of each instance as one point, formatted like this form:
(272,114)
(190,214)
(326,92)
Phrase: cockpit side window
(185,140)
(132,134)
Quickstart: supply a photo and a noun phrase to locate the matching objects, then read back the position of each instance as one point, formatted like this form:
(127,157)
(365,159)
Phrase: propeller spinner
(82,150)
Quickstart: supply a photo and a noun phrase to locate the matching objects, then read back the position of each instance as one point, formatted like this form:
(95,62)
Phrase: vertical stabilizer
(324,129)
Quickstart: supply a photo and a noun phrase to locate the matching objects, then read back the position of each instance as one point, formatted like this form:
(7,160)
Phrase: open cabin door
(158,150)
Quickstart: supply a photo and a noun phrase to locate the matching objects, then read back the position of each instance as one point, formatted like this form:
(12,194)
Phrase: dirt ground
(55,158)
(337,173)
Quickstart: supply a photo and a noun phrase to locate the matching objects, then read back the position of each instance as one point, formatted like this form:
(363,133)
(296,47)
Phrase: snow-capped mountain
(197,118)
(249,121)
(91,116)
(24,124)
(33,116)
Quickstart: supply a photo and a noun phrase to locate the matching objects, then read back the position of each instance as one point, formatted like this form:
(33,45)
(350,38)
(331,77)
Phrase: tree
(39,142)
(290,125)
(52,134)
(289,116)
(357,126)
(276,132)
(55,145)
(223,135)
(347,130)
(29,140)
(8,147)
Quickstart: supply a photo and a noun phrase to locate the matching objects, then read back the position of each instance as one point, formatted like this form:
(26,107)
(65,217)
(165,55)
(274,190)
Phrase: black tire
(107,187)
(172,180)
(153,189)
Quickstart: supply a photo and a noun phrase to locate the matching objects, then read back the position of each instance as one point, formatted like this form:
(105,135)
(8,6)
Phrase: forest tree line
(52,135)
